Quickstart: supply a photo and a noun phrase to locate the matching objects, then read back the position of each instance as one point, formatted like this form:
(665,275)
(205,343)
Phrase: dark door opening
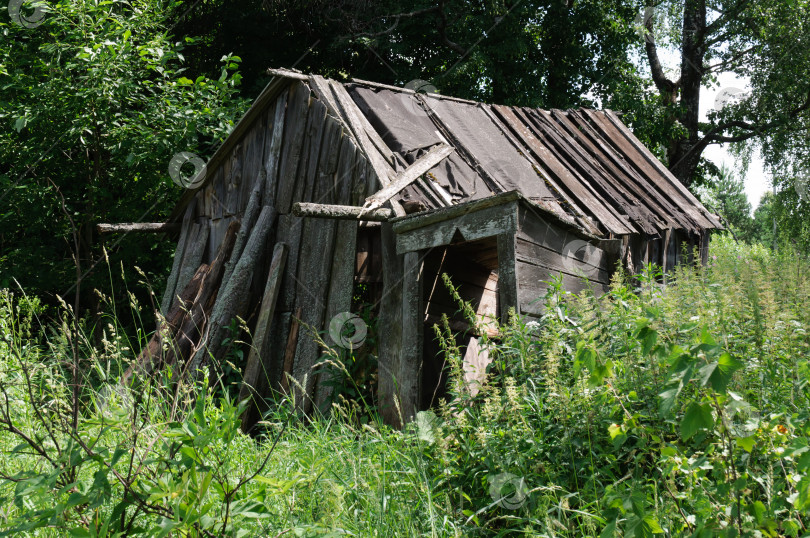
(473,269)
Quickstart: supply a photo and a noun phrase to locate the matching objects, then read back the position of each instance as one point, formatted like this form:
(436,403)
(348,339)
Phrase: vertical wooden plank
(171,283)
(232,182)
(253,173)
(341,286)
(390,319)
(217,187)
(410,361)
(317,145)
(314,270)
(255,377)
(248,220)
(272,154)
(295,123)
(507,275)
(193,256)
(289,351)
(705,237)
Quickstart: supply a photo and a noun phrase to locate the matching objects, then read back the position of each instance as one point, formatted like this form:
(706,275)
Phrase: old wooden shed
(323,185)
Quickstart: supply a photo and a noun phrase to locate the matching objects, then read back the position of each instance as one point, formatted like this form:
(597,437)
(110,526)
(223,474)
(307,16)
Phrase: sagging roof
(583,166)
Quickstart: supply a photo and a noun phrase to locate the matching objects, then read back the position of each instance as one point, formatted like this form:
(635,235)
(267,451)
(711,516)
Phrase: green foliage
(677,410)
(95,102)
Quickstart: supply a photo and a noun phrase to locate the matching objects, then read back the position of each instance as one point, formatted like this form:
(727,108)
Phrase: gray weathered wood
(390,338)
(322,131)
(199,309)
(705,218)
(289,351)
(341,285)
(171,283)
(487,222)
(409,175)
(313,275)
(340,212)
(595,266)
(295,123)
(254,378)
(143,227)
(248,220)
(193,256)
(232,301)
(272,153)
(410,360)
(507,275)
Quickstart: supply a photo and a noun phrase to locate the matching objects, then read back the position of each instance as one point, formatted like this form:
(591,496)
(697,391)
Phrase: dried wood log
(193,257)
(152,354)
(253,382)
(147,227)
(344,212)
(248,220)
(232,300)
(194,324)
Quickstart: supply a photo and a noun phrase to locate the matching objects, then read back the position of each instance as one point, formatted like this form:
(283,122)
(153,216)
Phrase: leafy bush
(677,410)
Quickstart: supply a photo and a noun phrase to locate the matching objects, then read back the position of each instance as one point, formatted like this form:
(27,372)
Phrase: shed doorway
(472,268)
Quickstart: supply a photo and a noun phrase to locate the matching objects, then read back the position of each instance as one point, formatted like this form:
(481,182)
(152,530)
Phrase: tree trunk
(684,153)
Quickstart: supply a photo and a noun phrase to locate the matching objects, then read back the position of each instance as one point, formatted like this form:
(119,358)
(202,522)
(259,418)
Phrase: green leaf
(746,443)
(721,376)
(668,398)
(648,337)
(757,509)
(697,417)
(609,531)
(425,425)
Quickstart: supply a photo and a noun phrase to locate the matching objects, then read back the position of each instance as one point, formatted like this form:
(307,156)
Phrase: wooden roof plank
(602,154)
(599,192)
(646,155)
(617,194)
(666,207)
(549,160)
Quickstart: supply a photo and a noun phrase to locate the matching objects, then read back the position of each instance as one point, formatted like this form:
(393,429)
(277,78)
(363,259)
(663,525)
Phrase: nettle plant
(726,467)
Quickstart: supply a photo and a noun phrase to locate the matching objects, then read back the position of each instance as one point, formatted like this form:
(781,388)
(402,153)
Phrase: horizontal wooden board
(487,222)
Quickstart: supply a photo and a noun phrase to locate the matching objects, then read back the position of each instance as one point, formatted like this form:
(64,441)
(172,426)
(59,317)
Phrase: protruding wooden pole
(145,227)
(344,212)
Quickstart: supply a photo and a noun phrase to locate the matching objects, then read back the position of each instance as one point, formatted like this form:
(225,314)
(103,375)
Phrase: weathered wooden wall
(296,151)
(545,250)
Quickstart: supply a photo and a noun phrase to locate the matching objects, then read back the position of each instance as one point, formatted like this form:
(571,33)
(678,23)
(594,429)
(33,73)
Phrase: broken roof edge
(432,216)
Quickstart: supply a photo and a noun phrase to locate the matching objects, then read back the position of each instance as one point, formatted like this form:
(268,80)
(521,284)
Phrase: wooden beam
(342,212)
(409,175)
(257,364)
(146,227)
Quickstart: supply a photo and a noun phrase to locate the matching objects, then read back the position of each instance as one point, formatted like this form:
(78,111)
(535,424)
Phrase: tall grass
(651,410)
